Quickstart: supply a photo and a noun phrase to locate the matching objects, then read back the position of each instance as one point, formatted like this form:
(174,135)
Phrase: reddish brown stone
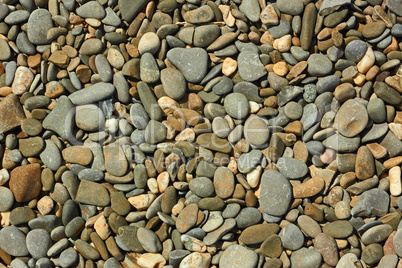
(77,155)
(187,218)
(314,212)
(365,166)
(34,60)
(308,188)
(11,113)
(1,68)
(25,182)
(381,77)
(60,58)
(83,73)
(54,89)
(389,244)
(326,245)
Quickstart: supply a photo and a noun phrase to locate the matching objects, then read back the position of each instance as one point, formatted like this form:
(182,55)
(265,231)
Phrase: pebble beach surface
(200,133)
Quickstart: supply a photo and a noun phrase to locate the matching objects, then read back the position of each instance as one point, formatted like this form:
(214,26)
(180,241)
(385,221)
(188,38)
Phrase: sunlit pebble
(328,156)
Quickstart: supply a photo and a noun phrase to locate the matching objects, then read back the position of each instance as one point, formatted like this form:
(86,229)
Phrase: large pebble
(39,23)
(319,65)
(238,256)
(276,193)
(191,62)
(352,118)
(304,258)
(12,241)
(291,236)
(250,66)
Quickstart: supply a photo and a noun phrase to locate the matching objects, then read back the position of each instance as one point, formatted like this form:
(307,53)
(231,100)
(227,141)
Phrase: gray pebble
(306,258)
(291,236)
(251,9)
(6,199)
(248,217)
(355,50)
(18,263)
(319,65)
(174,83)
(236,105)
(280,30)
(17,17)
(39,23)
(276,193)
(202,187)
(250,66)
(92,94)
(191,62)
(149,70)
(10,69)
(91,9)
(103,67)
(51,156)
(292,168)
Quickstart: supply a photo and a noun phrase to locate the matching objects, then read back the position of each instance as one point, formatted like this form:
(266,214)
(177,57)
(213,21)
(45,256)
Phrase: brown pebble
(25,182)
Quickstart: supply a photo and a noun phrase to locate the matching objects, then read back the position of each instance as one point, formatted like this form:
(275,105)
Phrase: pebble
(201,260)
(238,256)
(276,193)
(174,83)
(6,199)
(39,23)
(38,243)
(68,257)
(355,50)
(18,263)
(155,132)
(291,236)
(306,258)
(372,254)
(22,80)
(224,182)
(149,71)
(25,182)
(12,241)
(326,245)
(250,66)
(347,260)
(356,120)
(92,94)
(202,186)
(236,105)
(215,220)
(149,240)
(319,65)
(338,229)
(256,131)
(200,15)
(291,168)
(248,217)
(51,156)
(373,202)
(306,34)
(89,117)
(251,9)
(377,234)
(91,46)
(92,193)
(191,62)
(373,29)
(5,50)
